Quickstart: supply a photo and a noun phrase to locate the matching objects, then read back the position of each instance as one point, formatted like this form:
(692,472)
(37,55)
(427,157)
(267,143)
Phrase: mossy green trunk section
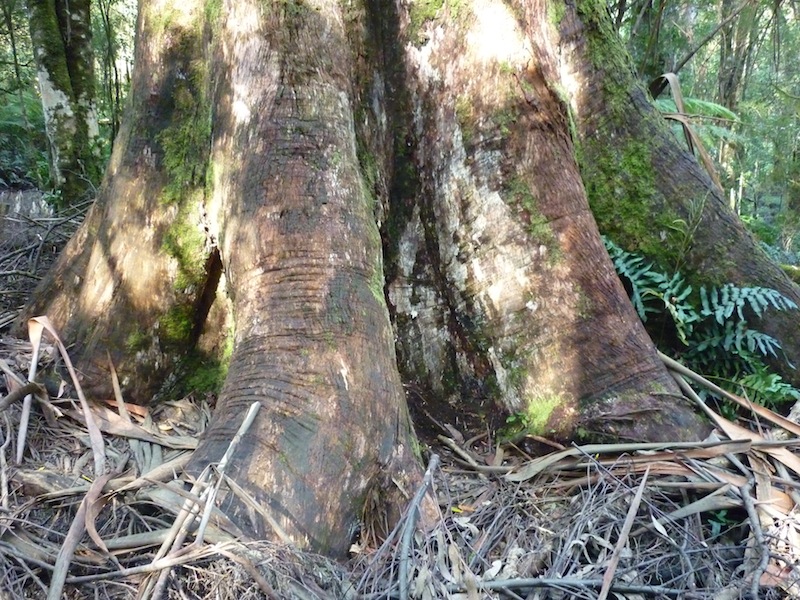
(647,192)
(504,299)
(61,34)
(141,276)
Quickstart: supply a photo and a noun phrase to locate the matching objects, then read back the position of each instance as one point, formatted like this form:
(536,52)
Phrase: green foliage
(23,145)
(766,388)
(421,12)
(711,326)
(654,292)
(741,94)
(697,108)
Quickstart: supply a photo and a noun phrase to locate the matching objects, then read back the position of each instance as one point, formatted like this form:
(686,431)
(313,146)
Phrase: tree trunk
(265,218)
(139,278)
(503,297)
(646,191)
(239,219)
(61,33)
(302,254)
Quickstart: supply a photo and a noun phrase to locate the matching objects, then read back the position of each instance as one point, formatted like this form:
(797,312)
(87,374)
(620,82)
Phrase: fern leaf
(705,308)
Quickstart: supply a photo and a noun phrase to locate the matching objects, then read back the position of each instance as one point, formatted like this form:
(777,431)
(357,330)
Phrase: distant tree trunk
(61,33)
(738,42)
(8,9)
(641,181)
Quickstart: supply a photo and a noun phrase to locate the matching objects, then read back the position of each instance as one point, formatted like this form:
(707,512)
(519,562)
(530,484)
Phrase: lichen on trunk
(62,44)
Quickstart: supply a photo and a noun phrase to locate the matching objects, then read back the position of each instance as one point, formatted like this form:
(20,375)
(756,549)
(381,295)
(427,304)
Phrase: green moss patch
(621,188)
(519,195)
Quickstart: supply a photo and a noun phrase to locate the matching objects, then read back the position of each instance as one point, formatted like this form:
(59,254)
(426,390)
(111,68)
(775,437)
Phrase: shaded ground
(99,507)
(30,239)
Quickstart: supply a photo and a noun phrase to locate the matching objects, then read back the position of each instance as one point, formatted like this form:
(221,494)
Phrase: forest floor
(714,519)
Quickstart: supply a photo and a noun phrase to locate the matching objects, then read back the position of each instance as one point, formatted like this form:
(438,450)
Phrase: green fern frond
(715,332)
(736,337)
(721,303)
(767,389)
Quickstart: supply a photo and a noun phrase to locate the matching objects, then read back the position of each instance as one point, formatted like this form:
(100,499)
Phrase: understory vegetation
(709,329)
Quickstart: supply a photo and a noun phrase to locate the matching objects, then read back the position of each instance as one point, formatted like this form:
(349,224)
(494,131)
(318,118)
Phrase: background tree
(61,38)
(21,123)
(25,156)
(751,37)
(273,157)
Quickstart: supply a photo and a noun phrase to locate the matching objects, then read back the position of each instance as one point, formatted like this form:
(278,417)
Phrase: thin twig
(248,421)
(608,577)
(70,543)
(466,456)
(155,566)
(411,523)
(562,582)
(758,535)
(6,436)
(207,497)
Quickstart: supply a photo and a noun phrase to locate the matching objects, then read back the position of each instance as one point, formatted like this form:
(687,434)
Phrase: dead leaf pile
(93,503)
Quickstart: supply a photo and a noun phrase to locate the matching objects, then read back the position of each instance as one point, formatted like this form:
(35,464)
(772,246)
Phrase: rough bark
(264,220)
(640,180)
(263,145)
(504,299)
(134,279)
(62,42)
(313,340)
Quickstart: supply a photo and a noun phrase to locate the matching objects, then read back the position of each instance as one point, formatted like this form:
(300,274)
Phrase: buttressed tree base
(313,203)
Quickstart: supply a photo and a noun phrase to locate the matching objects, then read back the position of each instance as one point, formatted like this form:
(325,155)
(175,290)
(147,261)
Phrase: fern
(722,302)
(767,389)
(715,334)
(645,281)
(735,336)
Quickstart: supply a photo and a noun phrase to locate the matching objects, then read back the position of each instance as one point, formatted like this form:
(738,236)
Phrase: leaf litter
(98,508)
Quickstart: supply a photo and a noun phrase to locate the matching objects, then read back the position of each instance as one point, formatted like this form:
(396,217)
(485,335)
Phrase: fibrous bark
(302,254)
(263,218)
(264,145)
(132,282)
(504,299)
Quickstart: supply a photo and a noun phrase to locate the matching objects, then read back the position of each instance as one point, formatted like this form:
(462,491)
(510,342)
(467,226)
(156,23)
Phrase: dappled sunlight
(495,37)
(498,249)
(97,293)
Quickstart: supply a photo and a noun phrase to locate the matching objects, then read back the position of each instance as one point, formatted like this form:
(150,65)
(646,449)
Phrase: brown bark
(116,284)
(313,341)
(325,119)
(282,208)
(504,298)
